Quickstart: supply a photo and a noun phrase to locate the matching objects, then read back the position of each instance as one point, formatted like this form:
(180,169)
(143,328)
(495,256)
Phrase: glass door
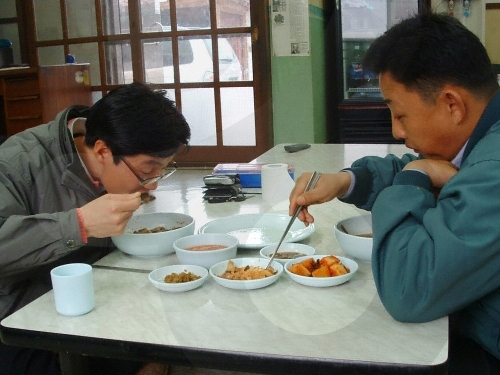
(211,56)
(361,22)
(200,73)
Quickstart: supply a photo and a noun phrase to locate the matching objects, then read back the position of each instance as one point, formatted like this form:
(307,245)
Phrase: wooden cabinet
(33,96)
(22,104)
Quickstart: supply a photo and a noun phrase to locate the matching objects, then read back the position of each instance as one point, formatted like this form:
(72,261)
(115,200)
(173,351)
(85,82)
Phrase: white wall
(475,21)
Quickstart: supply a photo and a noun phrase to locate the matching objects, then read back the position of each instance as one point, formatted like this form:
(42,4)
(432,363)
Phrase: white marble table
(285,328)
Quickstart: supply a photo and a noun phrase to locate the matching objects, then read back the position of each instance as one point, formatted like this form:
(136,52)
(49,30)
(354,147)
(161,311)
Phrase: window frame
(261,83)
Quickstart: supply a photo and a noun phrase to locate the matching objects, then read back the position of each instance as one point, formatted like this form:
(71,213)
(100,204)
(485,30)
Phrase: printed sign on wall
(290,27)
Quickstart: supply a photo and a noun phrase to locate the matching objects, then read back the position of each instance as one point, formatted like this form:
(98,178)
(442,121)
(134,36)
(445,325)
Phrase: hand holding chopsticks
(310,185)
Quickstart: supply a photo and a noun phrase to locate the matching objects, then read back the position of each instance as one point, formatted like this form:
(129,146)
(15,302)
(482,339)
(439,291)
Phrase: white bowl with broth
(354,236)
(206,249)
(287,251)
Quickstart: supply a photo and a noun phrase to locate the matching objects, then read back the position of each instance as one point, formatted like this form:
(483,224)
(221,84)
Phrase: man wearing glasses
(67,186)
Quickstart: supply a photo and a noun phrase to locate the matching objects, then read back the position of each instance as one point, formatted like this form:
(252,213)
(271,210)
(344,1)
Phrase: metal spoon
(310,185)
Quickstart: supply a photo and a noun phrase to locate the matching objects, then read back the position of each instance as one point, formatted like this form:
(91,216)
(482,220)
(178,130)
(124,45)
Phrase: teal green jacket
(434,257)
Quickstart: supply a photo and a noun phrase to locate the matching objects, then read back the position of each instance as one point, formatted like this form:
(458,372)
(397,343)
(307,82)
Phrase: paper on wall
(290,27)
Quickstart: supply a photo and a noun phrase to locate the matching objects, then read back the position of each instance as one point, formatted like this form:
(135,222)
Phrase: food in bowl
(153,230)
(246,272)
(158,243)
(287,251)
(328,266)
(321,282)
(205,247)
(287,255)
(366,235)
(354,236)
(182,277)
(146,198)
(218,269)
(157,277)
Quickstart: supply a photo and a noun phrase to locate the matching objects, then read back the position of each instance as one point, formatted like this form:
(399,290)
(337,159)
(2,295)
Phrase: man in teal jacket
(436,217)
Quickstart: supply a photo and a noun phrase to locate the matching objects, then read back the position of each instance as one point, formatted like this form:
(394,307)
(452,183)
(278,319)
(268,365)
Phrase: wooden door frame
(263,101)
(197,155)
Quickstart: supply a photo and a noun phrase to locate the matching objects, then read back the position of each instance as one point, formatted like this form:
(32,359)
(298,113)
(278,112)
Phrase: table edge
(205,358)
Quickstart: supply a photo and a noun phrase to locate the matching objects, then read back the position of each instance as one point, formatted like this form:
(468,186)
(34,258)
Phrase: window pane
(48,20)
(96,95)
(193,14)
(8,9)
(198,107)
(115,17)
(10,31)
(158,60)
(171,95)
(88,53)
(154,14)
(233,13)
(238,119)
(235,58)
(195,60)
(51,55)
(366,21)
(118,63)
(81,18)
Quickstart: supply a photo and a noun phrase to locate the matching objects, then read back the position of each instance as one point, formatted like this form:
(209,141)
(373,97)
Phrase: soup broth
(205,247)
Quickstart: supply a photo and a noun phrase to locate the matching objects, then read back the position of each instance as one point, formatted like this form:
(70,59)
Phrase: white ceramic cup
(73,288)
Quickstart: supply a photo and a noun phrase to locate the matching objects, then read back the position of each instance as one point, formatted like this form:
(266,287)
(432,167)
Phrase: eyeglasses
(151,180)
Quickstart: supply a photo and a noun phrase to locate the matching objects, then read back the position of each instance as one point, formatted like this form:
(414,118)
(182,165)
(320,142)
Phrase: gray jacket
(42,182)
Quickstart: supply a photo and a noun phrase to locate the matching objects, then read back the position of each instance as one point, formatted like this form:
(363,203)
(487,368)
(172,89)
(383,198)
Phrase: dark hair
(134,119)
(427,51)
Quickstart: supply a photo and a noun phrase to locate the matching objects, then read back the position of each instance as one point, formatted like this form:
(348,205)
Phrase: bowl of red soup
(206,249)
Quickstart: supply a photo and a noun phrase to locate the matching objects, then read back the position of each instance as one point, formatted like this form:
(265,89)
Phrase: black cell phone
(220,180)
(218,195)
(296,147)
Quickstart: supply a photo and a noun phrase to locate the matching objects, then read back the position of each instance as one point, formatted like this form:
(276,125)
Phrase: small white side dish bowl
(154,244)
(218,269)
(352,237)
(205,258)
(299,249)
(322,281)
(157,277)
